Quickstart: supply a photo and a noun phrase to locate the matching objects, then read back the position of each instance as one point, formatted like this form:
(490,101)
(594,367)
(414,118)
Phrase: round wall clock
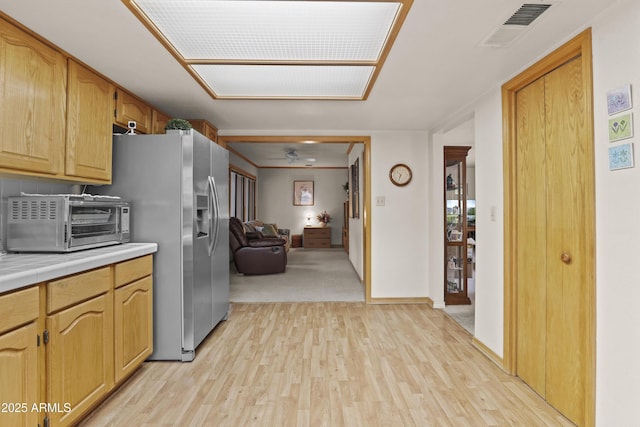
(400,174)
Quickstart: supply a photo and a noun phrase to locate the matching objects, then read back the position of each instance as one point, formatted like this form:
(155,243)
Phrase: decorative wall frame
(621,127)
(303,193)
(621,156)
(619,99)
(354,185)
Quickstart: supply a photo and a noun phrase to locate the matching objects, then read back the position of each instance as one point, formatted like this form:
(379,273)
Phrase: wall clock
(400,174)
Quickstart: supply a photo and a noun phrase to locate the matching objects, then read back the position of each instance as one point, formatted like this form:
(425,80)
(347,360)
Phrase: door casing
(579,46)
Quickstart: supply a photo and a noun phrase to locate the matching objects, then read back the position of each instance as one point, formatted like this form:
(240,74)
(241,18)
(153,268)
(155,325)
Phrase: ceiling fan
(291,156)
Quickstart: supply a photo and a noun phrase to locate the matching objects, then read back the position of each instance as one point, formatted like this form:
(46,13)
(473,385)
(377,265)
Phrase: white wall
(616,61)
(356,240)
(489,229)
(275,198)
(400,229)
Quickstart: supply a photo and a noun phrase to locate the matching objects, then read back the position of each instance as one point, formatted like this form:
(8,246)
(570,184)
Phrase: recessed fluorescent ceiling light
(277,49)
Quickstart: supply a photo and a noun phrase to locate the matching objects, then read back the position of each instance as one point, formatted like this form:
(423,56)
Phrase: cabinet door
(130,108)
(133,326)
(19,373)
(89,130)
(32,103)
(205,128)
(159,121)
(80,357)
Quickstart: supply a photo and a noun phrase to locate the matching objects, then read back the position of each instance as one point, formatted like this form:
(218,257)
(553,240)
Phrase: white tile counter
(25,269)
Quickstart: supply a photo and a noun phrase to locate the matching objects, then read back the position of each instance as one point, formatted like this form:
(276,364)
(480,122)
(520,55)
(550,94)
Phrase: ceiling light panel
(273,30)
(286,81)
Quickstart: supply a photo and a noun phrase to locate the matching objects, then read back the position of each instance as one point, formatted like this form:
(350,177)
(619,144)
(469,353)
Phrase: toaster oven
(65,223)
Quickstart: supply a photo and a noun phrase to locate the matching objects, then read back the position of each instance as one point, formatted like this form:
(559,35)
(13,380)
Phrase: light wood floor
(328,364)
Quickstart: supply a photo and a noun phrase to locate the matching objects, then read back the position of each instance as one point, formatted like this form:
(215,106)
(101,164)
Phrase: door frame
(579,46)
(365,185)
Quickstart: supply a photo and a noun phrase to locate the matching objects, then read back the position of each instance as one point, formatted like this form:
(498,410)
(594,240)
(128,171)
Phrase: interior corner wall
(356,238)
(400,216)
(489,308)
(275,198)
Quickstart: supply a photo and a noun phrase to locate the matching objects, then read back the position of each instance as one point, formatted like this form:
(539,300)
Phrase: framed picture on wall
(302,193)
(354,185)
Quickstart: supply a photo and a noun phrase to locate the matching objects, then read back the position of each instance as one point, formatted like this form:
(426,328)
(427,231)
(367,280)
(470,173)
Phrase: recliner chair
(256,256)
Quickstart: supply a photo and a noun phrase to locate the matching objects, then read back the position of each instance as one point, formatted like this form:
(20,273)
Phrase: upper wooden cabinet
(159,121)
(130,108)
(32,103)
(205,128)
(89,124)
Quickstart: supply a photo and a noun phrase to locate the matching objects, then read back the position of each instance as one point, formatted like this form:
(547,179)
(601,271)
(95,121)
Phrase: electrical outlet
(380,200)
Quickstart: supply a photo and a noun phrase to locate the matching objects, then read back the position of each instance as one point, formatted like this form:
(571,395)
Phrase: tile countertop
(25,269)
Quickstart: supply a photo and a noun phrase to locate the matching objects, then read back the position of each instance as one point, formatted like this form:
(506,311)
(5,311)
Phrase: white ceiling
(434,71)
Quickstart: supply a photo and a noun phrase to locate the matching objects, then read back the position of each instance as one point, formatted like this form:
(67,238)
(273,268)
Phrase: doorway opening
(359,239)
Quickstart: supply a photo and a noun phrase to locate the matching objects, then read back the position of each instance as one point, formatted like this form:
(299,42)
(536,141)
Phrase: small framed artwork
(355,189)
(621,127)
(619,99)
(621,157)
(302,193)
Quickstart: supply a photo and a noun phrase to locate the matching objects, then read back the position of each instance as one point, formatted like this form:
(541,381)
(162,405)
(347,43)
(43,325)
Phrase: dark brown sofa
(256,256)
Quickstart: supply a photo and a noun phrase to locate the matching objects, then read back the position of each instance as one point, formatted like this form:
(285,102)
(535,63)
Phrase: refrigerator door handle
(214,215)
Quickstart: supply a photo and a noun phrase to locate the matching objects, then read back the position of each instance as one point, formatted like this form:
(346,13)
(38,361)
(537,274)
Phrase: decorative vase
(323,224)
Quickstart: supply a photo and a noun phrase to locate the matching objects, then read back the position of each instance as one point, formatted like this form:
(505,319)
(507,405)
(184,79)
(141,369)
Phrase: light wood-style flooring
(328,364)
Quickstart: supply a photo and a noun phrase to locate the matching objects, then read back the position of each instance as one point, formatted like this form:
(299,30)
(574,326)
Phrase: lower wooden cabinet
(79,358)
(93,329)
(19,372)
(133,333)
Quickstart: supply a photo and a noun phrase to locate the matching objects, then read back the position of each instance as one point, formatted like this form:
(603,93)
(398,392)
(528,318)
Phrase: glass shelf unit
(455,226)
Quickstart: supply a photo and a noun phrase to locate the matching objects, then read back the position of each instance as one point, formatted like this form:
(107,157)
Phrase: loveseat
(256,229)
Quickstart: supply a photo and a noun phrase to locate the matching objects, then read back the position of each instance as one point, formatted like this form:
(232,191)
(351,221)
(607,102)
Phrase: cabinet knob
(566,258)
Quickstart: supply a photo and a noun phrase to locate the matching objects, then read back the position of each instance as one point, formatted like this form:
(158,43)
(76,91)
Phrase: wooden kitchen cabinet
(159,121)
(133,315)
(131,108)
(205,128)
(32,104)
(19,358)
(80,343)
(89,124)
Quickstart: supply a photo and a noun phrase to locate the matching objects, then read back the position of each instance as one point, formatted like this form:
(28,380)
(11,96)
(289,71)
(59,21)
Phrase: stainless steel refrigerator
(178,187)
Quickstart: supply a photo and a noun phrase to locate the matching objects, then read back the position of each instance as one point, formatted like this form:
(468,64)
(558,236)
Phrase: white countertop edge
(66,264)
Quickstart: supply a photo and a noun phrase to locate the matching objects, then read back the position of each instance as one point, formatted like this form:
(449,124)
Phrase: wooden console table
(317,237)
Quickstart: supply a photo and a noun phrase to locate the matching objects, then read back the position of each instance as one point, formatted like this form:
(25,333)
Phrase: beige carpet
(311,275)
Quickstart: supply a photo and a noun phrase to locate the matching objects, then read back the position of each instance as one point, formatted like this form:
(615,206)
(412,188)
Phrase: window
(242,192)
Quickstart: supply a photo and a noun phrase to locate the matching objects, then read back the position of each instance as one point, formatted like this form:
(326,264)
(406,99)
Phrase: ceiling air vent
(527,14)
(515,25)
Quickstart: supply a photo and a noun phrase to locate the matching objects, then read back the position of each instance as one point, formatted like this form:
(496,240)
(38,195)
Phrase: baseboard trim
(419,300)
(490,354)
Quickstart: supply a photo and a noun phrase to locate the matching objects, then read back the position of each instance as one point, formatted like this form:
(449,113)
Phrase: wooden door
(89,124)
(133,320)
(19,373)
(80,357)
(531,231)
(554,231)
(32,103)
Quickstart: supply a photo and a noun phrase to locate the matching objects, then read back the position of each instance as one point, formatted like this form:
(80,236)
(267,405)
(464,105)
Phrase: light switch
(380,200)
(494,213)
